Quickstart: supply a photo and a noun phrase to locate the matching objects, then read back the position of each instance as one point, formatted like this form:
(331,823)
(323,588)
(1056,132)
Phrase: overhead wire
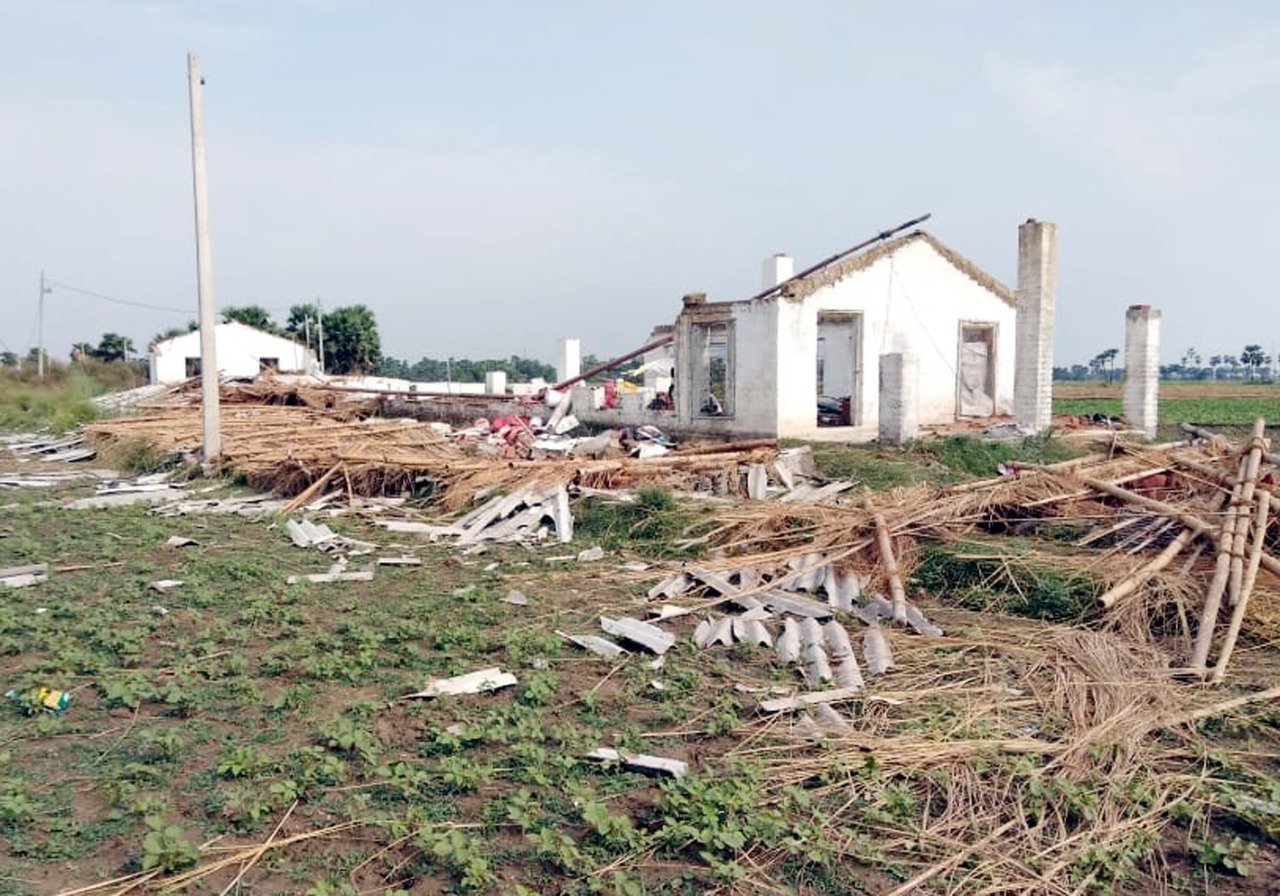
(106,298)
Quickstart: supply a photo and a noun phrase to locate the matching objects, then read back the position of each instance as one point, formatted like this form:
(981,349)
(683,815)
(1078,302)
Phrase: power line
(106,298)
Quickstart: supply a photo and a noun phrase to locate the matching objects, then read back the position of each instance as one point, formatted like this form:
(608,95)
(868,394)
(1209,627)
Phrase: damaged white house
(242,351)
(874,344)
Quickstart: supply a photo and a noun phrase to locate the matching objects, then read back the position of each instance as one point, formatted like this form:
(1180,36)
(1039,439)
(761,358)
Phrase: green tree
(113,347)
(1253,359)
(351,343)
(82,350)
(8,359)
(296,325)
(251,316)
(1104,363)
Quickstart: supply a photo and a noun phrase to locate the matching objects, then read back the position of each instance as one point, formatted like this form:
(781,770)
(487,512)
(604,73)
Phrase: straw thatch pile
(303,452)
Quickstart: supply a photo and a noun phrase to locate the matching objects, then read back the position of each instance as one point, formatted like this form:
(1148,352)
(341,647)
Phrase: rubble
(641,762)
(23,576)
(482,681)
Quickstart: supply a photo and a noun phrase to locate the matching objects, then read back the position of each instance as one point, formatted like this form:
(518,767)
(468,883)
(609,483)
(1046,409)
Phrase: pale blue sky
(488,176)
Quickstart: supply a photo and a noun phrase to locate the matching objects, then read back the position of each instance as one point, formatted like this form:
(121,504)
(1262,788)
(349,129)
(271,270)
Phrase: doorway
(839,368)
(976,371)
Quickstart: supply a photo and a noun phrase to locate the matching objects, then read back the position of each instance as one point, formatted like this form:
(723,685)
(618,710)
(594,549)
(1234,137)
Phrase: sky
(489,176)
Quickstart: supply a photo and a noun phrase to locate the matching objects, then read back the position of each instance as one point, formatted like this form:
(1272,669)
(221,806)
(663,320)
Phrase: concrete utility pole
(204,270)
(44,290)
(320,332)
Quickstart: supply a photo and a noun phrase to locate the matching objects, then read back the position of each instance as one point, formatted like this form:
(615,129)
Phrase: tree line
(1251,364)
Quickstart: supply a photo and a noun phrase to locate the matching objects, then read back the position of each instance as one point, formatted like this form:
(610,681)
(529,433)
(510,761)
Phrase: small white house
(760,366)
(242,352)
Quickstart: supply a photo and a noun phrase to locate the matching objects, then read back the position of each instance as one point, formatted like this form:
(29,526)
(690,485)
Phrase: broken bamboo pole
(1250,576)
(1143,574)
(1209,436)
(898,593)
(1221,575)
(1254,465)
(1190,520)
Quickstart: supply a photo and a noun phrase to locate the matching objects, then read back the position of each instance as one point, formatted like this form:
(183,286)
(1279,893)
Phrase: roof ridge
(839,270)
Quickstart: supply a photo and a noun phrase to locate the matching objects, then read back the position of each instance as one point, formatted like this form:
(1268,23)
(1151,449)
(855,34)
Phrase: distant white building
(242,352)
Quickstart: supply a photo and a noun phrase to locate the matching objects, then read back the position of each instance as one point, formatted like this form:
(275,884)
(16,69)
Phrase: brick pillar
(1142,367)
(1033,357)
(899,398)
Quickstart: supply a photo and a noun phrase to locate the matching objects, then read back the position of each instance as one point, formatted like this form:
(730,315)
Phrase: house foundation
(1142,368)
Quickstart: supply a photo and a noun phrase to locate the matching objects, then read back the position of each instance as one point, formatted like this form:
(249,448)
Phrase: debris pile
(303,453)
(1135,509)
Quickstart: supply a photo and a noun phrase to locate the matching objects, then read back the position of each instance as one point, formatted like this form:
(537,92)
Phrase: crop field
(1203,404)
(241,735)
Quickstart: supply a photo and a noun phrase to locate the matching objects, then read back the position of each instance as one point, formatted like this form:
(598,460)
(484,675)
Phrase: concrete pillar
(568,359)
(899,398)
(777,269)
(1142,367)
(1033,355)
(495,382)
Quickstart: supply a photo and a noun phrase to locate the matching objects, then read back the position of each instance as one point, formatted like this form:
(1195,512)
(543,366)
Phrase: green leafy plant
(166,847)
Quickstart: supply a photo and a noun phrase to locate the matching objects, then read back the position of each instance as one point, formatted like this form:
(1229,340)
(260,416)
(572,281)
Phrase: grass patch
(652,525)
(936,461)
(1001,577)
(58,406)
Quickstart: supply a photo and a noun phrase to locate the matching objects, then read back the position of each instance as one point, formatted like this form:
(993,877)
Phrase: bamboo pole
(1250,576)
(890,562)
(1143,574)
(1221,573)
(1190,520)
(1256,446)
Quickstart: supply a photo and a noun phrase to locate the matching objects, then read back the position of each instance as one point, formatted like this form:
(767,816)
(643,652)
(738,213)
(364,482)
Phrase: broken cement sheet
(399,561)
(640,762)
(23,576)
(306,534)
(324,578)
(876,649)
(507,518)
(728,629)
(479,682)
(516,598)
(164,586)
(650,637)
(596,644)
(180,541)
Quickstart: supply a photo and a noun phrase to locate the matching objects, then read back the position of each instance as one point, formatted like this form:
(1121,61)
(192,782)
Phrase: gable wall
(912,300)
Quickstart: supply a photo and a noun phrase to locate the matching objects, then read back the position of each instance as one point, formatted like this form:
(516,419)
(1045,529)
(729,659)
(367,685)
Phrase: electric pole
(40,328)
(204,271)
(320,330)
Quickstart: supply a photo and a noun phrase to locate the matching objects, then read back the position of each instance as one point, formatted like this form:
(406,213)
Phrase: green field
(1208,404)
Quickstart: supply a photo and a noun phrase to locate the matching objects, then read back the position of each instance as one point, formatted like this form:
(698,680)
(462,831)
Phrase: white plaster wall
(240,349)
(755,371)
(911,301)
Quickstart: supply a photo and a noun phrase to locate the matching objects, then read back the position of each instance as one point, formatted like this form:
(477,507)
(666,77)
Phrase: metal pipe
(614,362)
(883,235)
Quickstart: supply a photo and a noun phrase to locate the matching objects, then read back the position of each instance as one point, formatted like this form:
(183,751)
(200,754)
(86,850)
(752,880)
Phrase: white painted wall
(755,369)
(911,301)
(240,351)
